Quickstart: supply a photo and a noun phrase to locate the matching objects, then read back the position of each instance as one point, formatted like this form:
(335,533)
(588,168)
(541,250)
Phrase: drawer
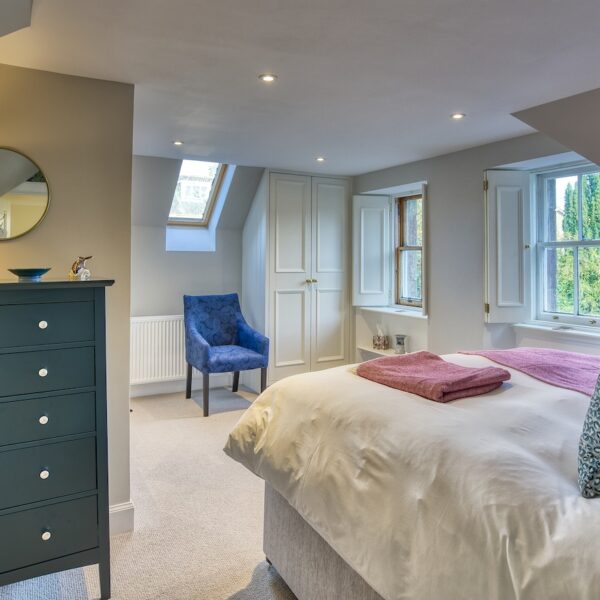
(69,526)
(46,370)
(33,324)
(47,471)
(44,418)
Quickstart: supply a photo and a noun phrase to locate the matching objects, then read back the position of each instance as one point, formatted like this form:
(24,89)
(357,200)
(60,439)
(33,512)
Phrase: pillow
(589,449)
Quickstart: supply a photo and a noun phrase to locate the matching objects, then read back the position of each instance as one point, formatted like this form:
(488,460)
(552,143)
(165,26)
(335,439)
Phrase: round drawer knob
(43,420)
(43,324)
(46,535)
(44,474)
(43,372)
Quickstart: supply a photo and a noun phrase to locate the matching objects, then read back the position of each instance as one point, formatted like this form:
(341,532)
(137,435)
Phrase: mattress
(473,499)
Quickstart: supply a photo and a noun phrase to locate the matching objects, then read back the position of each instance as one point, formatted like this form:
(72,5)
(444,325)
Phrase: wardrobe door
(290,274)
(329,257)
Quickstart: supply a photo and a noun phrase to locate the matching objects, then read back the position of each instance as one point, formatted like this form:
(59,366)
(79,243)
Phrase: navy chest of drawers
(53,443)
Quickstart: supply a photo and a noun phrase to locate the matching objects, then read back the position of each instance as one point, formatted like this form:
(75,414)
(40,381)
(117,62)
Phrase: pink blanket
(428,375)
(570,370)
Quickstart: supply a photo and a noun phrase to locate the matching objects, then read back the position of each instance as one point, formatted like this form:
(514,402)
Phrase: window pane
(193,191)
(410,275)
(559,274)
(561,209)
(589,281)
(413,222)
(590,206)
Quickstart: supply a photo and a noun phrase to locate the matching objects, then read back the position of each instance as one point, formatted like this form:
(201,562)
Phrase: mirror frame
(16,237)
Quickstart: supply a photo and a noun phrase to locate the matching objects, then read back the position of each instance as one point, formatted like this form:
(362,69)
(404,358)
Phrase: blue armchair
(218,340)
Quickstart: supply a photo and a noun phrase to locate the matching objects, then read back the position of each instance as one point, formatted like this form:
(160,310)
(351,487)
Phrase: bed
(375,493)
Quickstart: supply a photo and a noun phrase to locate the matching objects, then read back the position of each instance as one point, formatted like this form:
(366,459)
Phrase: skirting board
(177,385)
(121,518)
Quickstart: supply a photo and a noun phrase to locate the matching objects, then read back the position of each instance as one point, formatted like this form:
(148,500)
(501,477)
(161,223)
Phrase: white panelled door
(508,254)
(309,323)
(329,314)
(290,274)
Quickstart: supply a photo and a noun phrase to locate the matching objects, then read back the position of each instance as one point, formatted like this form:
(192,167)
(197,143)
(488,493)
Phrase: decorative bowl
(30,275)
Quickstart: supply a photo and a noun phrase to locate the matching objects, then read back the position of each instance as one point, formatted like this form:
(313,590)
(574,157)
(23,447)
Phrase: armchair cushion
(223,359)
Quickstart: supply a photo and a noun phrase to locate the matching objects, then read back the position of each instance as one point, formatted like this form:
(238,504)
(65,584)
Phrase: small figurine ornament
(79,271)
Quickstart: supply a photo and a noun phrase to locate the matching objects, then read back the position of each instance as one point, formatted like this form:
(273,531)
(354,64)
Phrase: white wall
(254,257)
(455,233)
(79,131)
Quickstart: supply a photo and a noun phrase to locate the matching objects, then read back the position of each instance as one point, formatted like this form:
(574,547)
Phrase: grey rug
(198,514)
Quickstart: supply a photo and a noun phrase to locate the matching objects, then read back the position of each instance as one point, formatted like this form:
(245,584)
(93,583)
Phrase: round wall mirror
(24,195)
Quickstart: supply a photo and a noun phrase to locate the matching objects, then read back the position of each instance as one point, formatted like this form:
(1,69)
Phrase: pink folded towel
(430,376)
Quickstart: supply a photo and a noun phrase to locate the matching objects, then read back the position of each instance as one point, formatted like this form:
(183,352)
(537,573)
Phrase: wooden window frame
(401,247)
(214,192)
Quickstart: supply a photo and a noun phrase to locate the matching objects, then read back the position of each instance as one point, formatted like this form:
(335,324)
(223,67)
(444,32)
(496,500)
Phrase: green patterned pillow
(589,449)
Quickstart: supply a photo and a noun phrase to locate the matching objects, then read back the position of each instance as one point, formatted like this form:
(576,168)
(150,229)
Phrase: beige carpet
(198,514)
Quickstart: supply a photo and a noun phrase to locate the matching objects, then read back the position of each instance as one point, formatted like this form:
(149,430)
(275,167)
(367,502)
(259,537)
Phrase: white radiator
(157,349)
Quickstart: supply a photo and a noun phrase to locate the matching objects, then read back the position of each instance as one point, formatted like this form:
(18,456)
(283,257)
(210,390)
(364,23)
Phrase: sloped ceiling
(153,184)
(14,15)
(573,121)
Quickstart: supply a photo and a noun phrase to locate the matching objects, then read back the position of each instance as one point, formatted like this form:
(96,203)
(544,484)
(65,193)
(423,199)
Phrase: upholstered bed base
(307,563)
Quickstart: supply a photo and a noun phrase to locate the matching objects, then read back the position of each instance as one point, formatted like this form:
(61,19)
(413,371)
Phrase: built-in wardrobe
(296,271)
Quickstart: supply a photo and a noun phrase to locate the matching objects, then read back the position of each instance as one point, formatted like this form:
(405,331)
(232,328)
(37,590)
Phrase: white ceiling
(366,83)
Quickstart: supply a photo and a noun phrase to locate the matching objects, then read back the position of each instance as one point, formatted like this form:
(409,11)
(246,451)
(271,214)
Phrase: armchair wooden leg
(205,383)
(236,381)
(188,382)
(263,379)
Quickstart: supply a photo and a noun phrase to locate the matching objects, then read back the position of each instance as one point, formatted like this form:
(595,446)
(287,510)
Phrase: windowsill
(367,350)
(396,310)
(563,331)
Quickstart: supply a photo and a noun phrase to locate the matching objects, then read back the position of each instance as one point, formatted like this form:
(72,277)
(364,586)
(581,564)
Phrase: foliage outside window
(197,188)
(409,251)
(569,246)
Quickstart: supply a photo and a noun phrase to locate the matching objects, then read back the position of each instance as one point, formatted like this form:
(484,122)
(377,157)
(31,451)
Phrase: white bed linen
(472,500)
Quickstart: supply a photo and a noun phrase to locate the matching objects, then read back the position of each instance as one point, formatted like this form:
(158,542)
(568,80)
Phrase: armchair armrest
(196,347)
(252,339)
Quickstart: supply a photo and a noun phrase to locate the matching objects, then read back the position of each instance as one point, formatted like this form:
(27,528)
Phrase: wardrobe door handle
(43,372)
(43,324)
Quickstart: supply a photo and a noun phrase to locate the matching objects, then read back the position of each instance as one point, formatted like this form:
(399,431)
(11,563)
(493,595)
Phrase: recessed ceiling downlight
(320,159)
(457,116)
(177,143)
(267,77)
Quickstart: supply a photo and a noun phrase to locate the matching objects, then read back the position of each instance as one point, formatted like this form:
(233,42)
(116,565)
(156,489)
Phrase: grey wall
(572,121)
(161,278)
(455,230)
(79,131)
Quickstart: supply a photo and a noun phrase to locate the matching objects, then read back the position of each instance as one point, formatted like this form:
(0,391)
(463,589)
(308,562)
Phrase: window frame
(400,247)
(210,205)
(541,244)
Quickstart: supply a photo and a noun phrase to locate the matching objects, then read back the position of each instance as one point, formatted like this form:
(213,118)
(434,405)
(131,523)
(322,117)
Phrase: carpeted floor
(198,533)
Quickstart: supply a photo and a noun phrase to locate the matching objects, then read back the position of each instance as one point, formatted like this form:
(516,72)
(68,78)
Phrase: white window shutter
(508,254)
(371,251)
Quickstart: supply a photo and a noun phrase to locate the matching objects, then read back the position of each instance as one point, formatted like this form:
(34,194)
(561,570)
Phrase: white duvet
(472,500)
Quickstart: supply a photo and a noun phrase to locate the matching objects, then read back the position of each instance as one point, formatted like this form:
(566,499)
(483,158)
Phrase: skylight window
(197,187)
